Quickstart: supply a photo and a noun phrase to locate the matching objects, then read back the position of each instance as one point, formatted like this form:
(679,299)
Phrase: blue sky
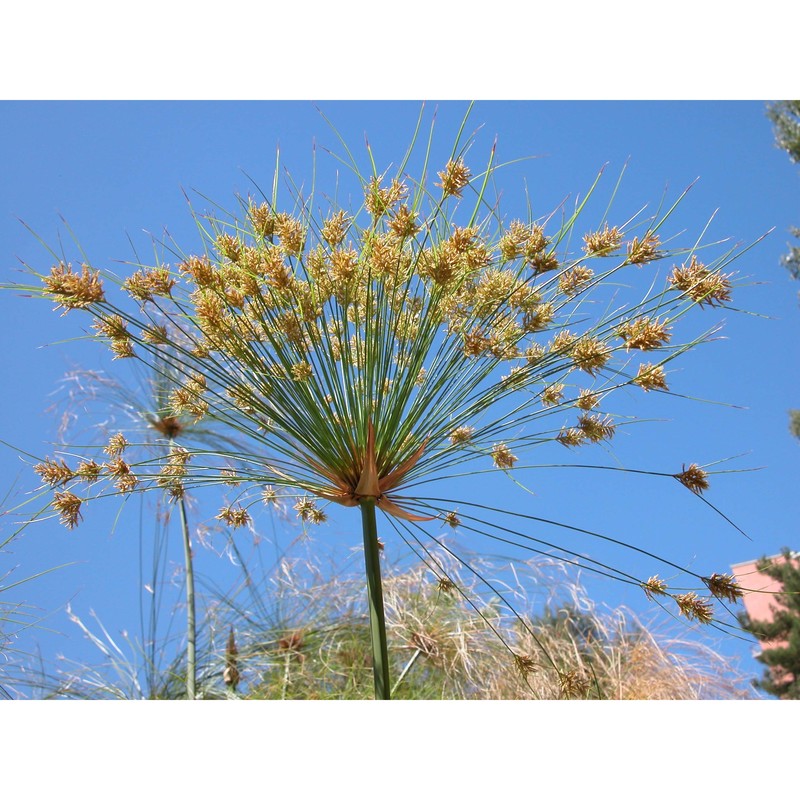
(117,170)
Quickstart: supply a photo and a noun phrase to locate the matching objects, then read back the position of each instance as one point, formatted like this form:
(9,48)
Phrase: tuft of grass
(440,646)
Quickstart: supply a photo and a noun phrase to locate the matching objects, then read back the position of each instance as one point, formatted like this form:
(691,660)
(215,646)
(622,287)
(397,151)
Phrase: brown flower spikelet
(73,290)
(644,250)
(54,473)
(573,280)
(693,478)
(235,517)
(602,243)
(694,607)
(88,471)
(461,435)
(590,355)
(68,506)
(596,428)
(571,437)
(454,178)
(644,333)
(651,376)
(701,284)
(334,228)
(503,457)
(587,400)
(724,587)
(116,445)
(654,586)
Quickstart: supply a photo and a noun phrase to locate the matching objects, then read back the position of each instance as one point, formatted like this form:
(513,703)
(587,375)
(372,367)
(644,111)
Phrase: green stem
(191,628)
(377,619)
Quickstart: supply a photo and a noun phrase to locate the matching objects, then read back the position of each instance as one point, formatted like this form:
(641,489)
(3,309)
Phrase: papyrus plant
(365,351)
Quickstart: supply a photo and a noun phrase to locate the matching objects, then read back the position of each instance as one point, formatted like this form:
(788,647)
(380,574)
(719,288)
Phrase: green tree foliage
(782,676)
(785,118)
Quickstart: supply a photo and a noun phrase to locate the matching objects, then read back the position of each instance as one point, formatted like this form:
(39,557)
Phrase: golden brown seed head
(602,243)
(694,607)
(229,247)
(587,400)
(68,506)
(335,228)
(644,333)
(308,511)
(553,394)
(693,478)
(301,371)
(88,471)
(573,280)
(452,519)
(235,517)
(147,283)
(571,437)
(563,342)
(116,445)
(538,318)
(201,271)
(651,376)
(503,458)
(525,664)
(291,234)
(461,435)
(573,685)
(533,353)
(262,218)
(54,473)
(156,335)
(644,250)
(513,243)
(654,586)
(724,587)
(404,223)
(701,284)
(381,199)
(476,342)
(72,290)
(596,428)
(269,496)
(543,262)
(454,178)
(590,355)
(120,469)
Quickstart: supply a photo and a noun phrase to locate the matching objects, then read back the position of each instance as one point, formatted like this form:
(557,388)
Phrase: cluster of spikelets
(361,350)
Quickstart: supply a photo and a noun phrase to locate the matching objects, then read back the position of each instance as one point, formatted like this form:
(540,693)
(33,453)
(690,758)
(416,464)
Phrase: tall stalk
(191,627)
(377,619)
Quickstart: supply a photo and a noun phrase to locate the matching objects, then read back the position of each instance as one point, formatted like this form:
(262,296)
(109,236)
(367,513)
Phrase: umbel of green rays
(417,334)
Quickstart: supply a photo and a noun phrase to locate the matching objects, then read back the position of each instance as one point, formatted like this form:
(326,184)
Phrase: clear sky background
(117,170)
